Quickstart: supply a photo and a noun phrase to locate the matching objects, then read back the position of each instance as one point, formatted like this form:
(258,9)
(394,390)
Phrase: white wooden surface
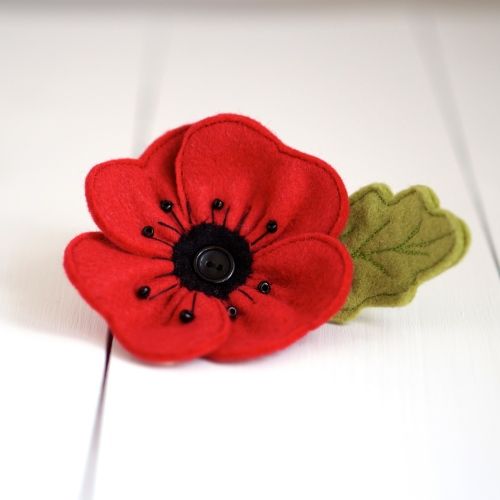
(68,91)
(401,403)
(470,46)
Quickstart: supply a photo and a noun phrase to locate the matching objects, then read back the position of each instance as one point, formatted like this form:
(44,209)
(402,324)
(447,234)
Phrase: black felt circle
(204,237)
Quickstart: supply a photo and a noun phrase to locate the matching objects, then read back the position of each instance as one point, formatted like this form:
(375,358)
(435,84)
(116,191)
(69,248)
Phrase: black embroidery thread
(169,227)
(188,207)
(149,233)
(164,275)
(271,227)
(203,237)
(247,295)
(162,291)
(225,217)
(242,220)
(168,207)
(217,204)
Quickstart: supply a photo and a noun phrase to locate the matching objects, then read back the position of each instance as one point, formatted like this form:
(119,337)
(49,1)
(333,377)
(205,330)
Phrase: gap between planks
(431,51)
(87,489)
(151,69)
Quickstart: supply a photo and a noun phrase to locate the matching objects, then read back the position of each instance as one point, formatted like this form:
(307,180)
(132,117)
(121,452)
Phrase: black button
(264,287)
(214,264)
(148,231)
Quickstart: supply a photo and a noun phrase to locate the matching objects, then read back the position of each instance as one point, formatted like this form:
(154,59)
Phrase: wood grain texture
(400,403)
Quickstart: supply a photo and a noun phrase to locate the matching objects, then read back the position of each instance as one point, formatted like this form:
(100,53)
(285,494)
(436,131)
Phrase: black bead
(217,204)
(186,316)
(264,287)
(232,312)
(166,206)
(272,226)
(143,292)
(148,231)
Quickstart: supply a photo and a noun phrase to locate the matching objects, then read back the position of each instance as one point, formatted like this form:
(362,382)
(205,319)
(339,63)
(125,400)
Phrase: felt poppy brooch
(222,242)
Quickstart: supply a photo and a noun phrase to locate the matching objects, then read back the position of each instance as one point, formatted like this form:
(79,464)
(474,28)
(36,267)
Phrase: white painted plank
(471,47)
(399,404)
(67,99)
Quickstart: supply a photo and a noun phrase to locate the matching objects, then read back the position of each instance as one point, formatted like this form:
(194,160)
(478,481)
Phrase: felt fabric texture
(397,242)
(107,278)
(144,207)
(311,286)
(206,235)
(223,155)
(124,195)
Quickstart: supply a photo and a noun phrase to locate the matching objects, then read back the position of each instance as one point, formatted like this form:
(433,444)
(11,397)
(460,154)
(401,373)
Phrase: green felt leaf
(396,243)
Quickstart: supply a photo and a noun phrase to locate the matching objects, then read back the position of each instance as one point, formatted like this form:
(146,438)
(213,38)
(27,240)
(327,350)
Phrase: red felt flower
(219,241)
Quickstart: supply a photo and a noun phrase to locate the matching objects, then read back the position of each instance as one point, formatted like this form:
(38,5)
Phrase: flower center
(213,259)
(214,264)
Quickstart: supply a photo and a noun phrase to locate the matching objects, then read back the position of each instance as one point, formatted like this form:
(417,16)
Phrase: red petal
(151,329)
(259,179)
(159,157)
(124,196)
(310,279)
